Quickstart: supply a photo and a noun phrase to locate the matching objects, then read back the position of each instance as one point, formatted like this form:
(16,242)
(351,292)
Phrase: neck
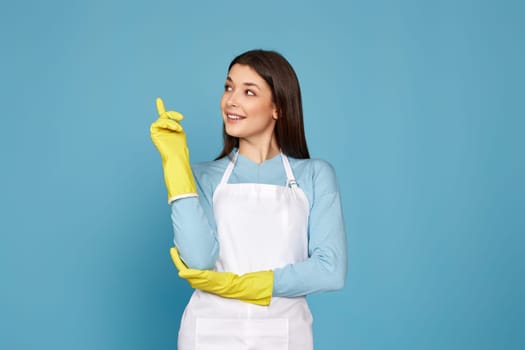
(258,152)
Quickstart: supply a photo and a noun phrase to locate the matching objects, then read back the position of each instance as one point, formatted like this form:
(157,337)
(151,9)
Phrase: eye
(250,93)
(227,87)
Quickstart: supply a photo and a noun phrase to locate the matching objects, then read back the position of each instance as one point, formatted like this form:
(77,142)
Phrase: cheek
(264,110)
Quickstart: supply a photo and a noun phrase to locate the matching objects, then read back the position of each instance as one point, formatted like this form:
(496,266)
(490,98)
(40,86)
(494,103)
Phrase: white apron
(259,227)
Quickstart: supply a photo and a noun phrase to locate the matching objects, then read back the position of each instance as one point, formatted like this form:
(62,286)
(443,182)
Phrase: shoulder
(210,169)
(207,176)
(318,172)
(317,168)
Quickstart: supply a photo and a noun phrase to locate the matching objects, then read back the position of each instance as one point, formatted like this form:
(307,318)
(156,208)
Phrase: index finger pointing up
(160,106)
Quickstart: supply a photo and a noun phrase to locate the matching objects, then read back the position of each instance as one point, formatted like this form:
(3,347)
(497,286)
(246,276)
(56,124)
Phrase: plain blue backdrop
(417,104)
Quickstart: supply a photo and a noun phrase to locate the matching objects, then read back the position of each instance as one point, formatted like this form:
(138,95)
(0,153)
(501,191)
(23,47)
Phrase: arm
(191,215)
(325,269)
(194,231)
(170,140)
(254,287)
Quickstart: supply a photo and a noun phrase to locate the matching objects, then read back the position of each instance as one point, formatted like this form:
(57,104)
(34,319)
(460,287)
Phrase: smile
(234,117)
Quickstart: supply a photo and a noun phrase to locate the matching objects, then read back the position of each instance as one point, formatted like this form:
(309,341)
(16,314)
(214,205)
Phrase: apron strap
(290,179)
(229,169)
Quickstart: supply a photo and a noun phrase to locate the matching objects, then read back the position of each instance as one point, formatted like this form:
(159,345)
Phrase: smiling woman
(260,227)
(248,110)
(275,73)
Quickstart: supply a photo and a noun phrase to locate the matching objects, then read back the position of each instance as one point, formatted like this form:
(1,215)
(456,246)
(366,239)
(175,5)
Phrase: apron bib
(259,227)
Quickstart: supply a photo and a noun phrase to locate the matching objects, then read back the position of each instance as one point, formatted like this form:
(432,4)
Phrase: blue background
(417,104)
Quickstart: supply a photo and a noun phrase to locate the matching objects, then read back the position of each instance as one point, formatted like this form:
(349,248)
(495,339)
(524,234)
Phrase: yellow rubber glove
(169,138)
(254,287)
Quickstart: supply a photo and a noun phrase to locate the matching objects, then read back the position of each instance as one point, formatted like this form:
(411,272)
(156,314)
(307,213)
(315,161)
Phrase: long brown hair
(286,94)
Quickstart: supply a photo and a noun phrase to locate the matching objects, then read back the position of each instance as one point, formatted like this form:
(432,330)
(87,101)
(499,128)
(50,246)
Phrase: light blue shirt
(195,232)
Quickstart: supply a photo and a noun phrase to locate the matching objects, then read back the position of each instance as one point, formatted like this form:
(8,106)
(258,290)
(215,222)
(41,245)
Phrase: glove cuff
(180,196)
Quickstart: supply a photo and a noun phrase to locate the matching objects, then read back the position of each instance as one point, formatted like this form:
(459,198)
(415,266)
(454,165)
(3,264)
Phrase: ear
(275,114)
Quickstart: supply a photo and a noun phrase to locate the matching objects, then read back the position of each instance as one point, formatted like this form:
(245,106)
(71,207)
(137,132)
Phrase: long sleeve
(325,269)
(193,234)
(194,230)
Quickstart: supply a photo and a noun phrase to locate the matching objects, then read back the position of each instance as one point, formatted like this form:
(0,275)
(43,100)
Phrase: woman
(260,227)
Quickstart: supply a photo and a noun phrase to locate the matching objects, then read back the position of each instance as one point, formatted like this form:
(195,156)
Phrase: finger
(176,259)
(195,281)
(193,274)
(169,124)
(174,115)
(161,110)
(160,106)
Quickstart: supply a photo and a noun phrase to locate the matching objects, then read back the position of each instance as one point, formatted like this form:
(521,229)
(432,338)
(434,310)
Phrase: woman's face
(247,105)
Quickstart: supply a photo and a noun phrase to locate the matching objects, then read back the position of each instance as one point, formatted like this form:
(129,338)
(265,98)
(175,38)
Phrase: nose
(231,99)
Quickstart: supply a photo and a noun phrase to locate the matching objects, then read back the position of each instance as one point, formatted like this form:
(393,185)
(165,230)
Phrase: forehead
(241,73)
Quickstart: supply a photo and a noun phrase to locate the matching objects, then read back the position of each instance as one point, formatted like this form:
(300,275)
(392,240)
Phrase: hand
(169,138)
(254,287)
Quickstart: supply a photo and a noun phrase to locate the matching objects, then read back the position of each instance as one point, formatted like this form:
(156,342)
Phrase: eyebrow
(245,83)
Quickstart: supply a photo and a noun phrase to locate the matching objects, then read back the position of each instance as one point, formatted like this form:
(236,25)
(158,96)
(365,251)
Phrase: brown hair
(286,94)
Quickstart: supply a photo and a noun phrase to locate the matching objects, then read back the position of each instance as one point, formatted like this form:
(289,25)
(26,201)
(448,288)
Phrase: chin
(233,133)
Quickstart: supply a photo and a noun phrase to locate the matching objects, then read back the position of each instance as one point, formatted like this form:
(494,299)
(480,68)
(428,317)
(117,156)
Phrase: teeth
(233,116)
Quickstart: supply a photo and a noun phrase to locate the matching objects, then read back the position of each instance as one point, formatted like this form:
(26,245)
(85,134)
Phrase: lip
(233,117)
